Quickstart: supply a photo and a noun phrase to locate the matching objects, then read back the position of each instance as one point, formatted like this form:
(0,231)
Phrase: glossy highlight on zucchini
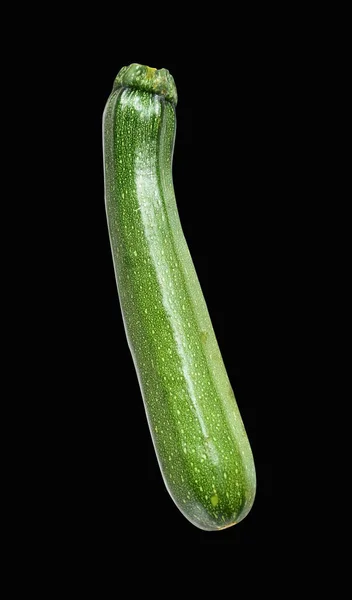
(197,431)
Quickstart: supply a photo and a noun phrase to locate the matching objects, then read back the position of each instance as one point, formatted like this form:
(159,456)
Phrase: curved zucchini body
(198,435)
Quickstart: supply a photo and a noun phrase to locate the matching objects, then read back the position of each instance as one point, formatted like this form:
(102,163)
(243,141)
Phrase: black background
(251,172)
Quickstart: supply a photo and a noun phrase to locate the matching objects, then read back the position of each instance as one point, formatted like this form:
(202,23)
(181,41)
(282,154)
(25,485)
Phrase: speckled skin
(199,438)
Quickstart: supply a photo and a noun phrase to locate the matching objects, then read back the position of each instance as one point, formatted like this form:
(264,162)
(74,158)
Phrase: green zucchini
(198,434)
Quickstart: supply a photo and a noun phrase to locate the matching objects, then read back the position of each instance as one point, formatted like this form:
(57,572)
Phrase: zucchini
(198,435)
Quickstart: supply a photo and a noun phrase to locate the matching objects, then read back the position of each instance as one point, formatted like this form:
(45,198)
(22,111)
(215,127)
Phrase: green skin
(199,438)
